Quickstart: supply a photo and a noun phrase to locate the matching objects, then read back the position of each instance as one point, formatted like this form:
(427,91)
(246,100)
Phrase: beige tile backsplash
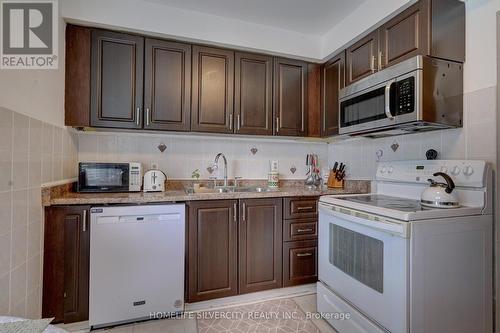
(186,153)
(31,153)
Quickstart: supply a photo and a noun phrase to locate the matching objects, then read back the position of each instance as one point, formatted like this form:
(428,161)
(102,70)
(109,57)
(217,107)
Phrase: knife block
(333,182)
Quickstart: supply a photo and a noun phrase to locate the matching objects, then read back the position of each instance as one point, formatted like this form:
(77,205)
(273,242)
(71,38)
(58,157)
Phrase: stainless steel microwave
(109,177)
(418,94)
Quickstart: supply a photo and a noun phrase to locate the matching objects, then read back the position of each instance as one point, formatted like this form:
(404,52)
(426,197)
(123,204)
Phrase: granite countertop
(63,195)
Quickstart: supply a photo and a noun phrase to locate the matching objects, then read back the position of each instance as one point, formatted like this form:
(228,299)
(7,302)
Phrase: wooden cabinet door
(260,244)
(253,94)
(290,97)
(167,85)
(213,95)
(361,58)
(66,264)
(332,80)
(300,262)
(212,249)
(116,80)
(406,35)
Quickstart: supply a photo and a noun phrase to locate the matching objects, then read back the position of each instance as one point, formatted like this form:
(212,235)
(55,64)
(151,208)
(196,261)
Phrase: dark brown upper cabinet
(253,94)
(116,80)
(290,97)
(404,36)
(167,86)
(212,249)
(332,80)
(66,264)
(260,244)
(433,28)
(361,58)
(212,96)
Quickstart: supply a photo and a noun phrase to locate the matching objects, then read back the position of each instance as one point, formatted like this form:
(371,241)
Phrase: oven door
(103,177)
(385,105)
(365,262)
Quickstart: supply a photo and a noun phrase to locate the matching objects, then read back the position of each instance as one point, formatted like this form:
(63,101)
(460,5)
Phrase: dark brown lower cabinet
(66,264)
(260,243)
(300,262)
(212,249)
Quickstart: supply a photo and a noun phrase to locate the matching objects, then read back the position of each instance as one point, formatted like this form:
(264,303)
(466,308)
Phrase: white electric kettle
(440,195)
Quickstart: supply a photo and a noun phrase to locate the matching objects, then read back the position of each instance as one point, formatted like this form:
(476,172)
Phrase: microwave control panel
(135,177)
(406,95)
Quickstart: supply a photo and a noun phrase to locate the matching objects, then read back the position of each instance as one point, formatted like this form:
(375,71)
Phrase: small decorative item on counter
(196,176)
(313,176)
(273,177)
(337,175)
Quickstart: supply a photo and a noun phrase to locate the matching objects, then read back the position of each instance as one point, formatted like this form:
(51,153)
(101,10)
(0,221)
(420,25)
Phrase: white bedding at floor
(49,329)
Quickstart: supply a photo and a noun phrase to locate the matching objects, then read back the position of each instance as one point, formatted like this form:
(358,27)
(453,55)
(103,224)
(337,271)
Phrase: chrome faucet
(225,166)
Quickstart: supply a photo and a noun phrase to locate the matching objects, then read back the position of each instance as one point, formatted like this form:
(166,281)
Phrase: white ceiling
(314,17)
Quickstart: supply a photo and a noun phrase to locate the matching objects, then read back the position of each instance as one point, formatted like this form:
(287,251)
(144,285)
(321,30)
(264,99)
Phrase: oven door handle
(371,221)
(387,96)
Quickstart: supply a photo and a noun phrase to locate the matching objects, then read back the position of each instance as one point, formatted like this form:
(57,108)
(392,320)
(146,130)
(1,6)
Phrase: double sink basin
(232,189)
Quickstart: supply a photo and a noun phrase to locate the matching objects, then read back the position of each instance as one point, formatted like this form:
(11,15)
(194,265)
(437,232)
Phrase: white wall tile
(31,152)
(6,124)
(20,129)
(5,252)
(4,293)
(5,212)
(18,290)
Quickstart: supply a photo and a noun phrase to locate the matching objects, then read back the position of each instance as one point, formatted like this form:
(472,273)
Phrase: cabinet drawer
(300,207)
(303,229)
(300,263)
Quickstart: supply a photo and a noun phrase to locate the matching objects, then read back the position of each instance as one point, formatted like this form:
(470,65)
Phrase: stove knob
(383,170)
(468,171)
(455,171)
(390,170)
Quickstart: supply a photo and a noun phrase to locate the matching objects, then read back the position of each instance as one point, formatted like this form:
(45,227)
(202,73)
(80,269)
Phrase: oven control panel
(463,172)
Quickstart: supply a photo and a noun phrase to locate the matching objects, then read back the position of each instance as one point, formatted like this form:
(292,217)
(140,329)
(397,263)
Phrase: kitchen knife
(335,167)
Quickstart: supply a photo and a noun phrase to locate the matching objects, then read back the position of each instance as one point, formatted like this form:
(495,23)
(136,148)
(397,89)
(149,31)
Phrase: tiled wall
(476,140)
(186,153)
(31,153)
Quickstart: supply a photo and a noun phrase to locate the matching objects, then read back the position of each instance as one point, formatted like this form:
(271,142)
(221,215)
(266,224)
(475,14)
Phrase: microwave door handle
(388,99)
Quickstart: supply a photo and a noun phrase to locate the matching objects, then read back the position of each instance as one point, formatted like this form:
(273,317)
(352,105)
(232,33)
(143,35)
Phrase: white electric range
(395,266)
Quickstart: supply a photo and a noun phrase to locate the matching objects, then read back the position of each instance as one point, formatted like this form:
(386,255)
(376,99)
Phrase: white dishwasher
(136,262)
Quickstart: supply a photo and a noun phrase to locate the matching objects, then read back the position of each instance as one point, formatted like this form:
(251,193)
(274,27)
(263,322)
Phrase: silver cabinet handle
(380,55)
(372,65)
(243,213)
(84,224)
(307,254)
(138,116)
(231,122)
(238,122)
(147,116)
(305,208)
(235,209)
(387,96)
(277,124)
(304,230)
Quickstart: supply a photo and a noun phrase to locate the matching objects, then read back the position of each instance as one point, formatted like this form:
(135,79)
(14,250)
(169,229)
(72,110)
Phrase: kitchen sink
(254,189)
(230,189)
